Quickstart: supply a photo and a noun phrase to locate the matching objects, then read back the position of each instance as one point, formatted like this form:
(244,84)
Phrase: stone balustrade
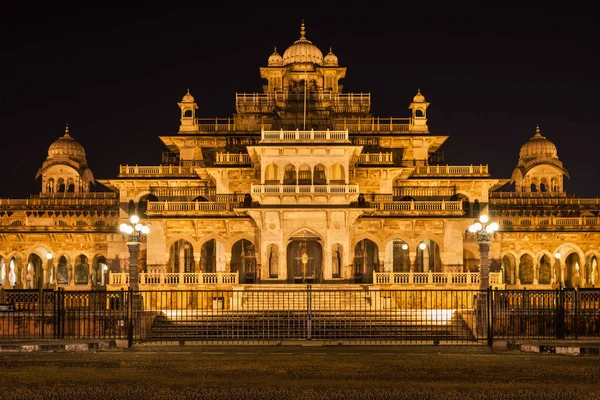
(433,278)
(176,278)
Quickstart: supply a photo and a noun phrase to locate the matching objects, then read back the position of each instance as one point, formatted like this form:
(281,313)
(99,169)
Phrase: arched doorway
(304,260)
(366,260)
(397,256)
(100,272)
(81,270)
(181,257)
(34,276)
(428,257)
(62,272)
(243,261)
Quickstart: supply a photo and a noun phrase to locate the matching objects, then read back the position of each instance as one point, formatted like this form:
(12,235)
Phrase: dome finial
(67,128)
(302,31)
(537,130)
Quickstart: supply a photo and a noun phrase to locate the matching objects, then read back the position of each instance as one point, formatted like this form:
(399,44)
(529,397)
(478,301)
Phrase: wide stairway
(336,315)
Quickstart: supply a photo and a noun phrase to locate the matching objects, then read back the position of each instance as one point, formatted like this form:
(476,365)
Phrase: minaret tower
(419,113)
(189,122)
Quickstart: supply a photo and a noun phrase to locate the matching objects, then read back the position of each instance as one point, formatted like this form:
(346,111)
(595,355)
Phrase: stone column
(536,272)
(227,262)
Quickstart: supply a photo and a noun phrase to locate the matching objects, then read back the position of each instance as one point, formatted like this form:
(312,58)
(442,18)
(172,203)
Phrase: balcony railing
(422,191)
(313,136)
(294,189)
(232,159)
(413,205)
(376,158)
(451,170)
(433,278)
(157,170)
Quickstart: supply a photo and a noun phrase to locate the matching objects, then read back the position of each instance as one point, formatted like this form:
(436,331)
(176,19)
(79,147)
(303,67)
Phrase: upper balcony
(354,125)
(265,103)
(299,136)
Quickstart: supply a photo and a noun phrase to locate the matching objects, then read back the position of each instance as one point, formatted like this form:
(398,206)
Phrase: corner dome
(330,59)
(188,98)
(538,146)
(66,146)
(275,59)
(303,51)
(419,98)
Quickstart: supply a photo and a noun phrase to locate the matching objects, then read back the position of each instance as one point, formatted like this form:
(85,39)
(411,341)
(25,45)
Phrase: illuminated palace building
(302,184)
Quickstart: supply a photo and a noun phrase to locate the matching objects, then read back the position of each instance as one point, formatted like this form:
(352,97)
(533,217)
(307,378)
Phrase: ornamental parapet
(415,207)
(295,189)
(59,203)
(189,207)
(550,222)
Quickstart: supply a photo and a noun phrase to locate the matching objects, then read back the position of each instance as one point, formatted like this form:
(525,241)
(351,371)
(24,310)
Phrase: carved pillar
(536,272)
(517,273)
(227,261)
(412,256)
(383,265)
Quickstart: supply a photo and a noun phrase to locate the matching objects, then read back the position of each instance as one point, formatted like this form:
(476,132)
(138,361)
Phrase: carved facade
(301,185)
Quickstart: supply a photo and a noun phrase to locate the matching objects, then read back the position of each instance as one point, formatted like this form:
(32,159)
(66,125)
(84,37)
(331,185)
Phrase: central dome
(538,145)
(67,146)
(303,51)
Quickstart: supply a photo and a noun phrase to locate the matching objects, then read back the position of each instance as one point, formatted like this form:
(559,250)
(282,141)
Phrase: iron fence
(367,314)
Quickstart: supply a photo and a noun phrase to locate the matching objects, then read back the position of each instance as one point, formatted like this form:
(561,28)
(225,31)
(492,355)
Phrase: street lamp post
(483,231)
(136,233)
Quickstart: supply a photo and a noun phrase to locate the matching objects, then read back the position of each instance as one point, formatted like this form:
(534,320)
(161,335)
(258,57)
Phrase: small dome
(538,145)
(303,51)
(330,59)
(67,146)
(419,98)
(188,98)
(275,60)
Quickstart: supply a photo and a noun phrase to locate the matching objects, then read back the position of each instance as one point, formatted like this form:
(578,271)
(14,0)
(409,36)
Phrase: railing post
(308,313)
(490,318)
(560,314)
(130,317)
(41,306)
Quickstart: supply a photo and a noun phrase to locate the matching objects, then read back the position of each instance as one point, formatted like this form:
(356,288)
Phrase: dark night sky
(115,76)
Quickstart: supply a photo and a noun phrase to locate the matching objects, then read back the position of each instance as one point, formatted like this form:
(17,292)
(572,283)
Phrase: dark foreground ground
(298,372)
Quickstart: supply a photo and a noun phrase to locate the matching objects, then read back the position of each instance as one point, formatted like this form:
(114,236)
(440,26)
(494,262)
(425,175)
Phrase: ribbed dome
(538,145)
(303,51)
(330,59)
(275,59)
(419,98)
(66,146)
(188,98)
